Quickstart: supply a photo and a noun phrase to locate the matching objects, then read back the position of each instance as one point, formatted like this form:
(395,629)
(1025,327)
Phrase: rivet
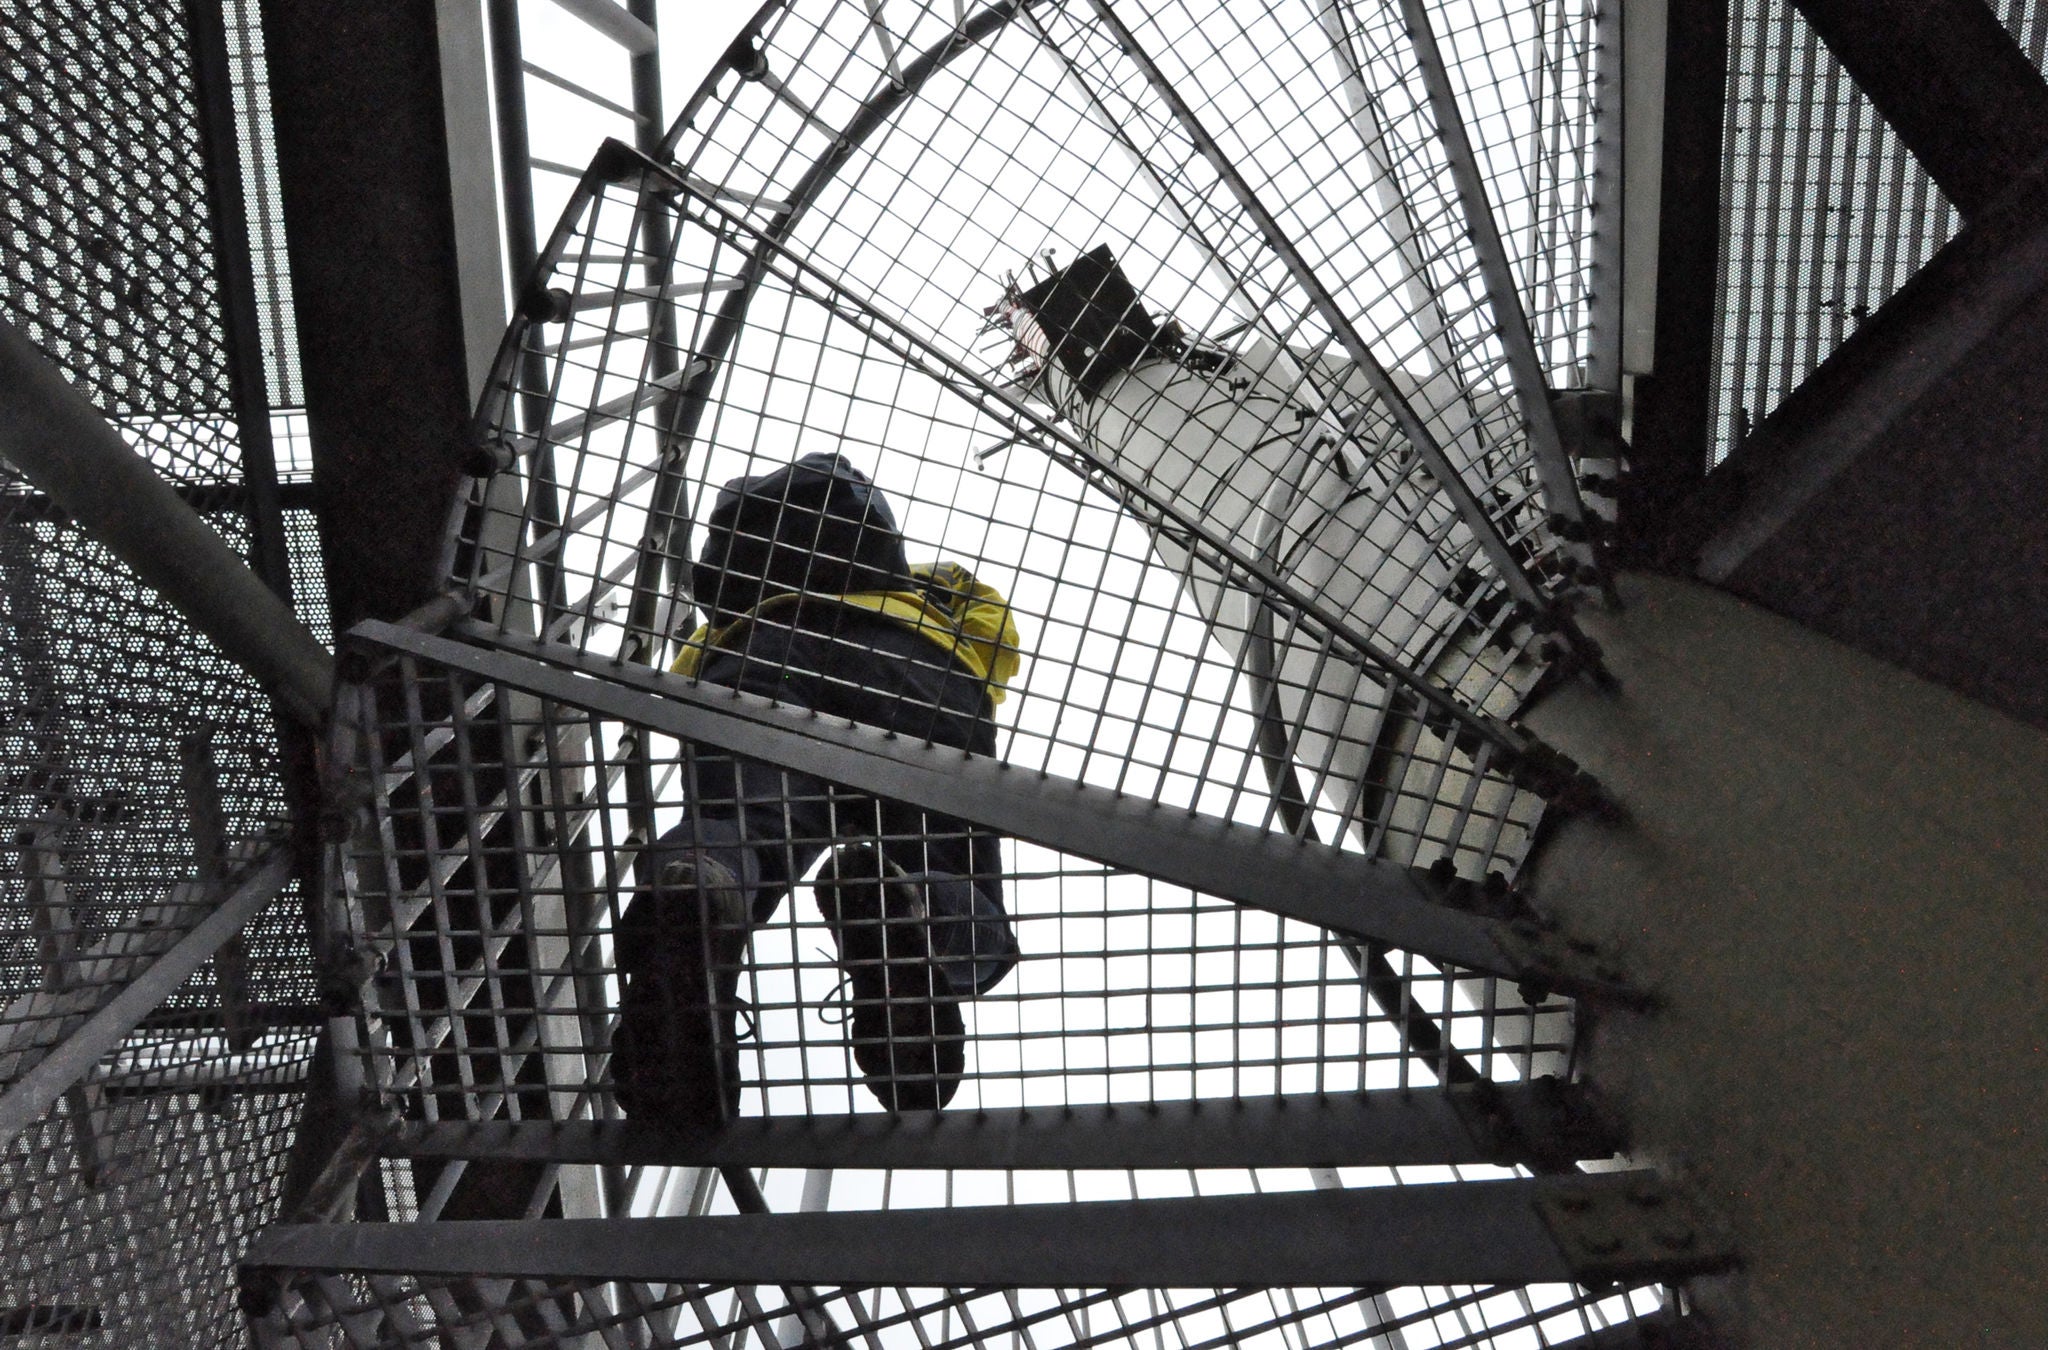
(1599,1242)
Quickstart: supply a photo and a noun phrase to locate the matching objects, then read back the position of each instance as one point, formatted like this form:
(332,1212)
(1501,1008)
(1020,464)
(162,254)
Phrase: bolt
(1676,1238)
(1599,1242)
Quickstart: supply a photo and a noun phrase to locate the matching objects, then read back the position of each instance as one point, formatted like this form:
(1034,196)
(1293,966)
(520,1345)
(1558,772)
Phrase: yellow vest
(968,619)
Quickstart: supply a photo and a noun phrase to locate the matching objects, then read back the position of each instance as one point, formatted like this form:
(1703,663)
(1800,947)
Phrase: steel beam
(1661,1330)
(370,223)
(1614,162)
(1511,320)
(1951,82)
(62,445)
(1520,1123)
(228,221)
(19,504)
(35,1091)
(1891,501)
(1669,435)
(1367,898)
(1615,1226)
(612,20)
(1939,326)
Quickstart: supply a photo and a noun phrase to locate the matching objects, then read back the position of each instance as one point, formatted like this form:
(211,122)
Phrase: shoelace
(837,1009)
(743,1009)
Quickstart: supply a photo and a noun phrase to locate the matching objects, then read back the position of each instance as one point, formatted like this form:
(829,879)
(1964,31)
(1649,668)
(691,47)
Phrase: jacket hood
(816,526)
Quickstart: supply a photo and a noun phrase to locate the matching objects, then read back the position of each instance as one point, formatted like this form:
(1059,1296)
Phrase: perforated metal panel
(142,768)
(1826,213)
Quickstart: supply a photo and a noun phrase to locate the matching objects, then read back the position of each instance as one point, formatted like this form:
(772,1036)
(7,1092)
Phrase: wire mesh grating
(838,259)
(504,855)
(1826,213)
(1122,685)
(126,1207)
(404,1311)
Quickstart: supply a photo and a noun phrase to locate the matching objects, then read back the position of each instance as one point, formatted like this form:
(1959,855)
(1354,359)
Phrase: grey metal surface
(1473,1233)
(1509,1123)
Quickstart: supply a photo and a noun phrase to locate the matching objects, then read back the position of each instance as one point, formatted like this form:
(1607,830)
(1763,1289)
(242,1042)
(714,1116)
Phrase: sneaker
(908,1038)
(673,1054)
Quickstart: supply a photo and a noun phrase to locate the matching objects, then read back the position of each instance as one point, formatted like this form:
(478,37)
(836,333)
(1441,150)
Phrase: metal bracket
(1632,1231)
(342,979)
(1547,1124)
(1549,960)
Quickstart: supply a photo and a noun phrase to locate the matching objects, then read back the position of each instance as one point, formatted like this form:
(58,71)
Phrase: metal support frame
(62,444)
(248,384)
(1587,1229)
(19,505)
(1923,341)
(1460,493)
(1511,321)
(615,23)
(1535,1124)
(1952,83)
(1397,210)
(35,1091)
(1367,898)
(1669,435)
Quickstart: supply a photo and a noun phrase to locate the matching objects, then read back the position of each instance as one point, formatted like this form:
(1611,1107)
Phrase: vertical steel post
(233,270)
